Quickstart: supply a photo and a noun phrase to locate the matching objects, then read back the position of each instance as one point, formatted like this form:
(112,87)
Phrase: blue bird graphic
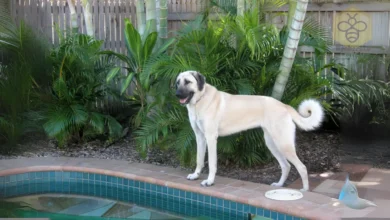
(349,196)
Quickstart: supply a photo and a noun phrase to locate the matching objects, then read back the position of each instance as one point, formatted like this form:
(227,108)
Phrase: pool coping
(311,206)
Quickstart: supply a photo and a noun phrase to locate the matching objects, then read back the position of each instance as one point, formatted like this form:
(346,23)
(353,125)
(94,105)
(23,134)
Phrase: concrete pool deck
(313,205)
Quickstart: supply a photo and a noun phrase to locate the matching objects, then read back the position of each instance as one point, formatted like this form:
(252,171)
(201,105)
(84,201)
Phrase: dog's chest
(196,119)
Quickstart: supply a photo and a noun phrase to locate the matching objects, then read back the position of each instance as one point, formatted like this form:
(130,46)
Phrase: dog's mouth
(186,100)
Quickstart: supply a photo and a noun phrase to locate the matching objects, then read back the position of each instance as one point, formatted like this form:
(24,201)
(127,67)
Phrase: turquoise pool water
(178,204)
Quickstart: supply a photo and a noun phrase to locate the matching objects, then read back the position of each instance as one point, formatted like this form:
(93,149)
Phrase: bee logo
(352,28)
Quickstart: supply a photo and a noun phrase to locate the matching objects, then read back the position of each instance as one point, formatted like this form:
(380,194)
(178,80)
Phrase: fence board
(41,17)
(118,26)
(34,14)
(108,17)
(107,24)
(101,34)
(21,10)
(112,27)
(61,15)
(79,14)
(95,15)
(15,11)
(48,21)
(68,23)
(55,20)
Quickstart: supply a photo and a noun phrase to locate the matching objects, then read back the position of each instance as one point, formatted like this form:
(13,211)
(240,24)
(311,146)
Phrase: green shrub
(71,110)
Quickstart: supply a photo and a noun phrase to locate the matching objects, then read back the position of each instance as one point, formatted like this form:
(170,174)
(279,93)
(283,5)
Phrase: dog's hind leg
(302,170)
(283,136)
(284,165)
(286,146)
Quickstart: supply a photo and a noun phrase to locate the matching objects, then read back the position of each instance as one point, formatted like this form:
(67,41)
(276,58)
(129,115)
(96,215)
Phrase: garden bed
(318,150)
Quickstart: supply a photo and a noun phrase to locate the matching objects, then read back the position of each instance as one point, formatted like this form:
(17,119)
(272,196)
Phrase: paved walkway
(372,184)
(314,205)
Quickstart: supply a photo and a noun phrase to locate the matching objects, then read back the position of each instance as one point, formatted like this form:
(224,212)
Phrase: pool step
(100,211)
(255,217)
(141,215)
(88,205)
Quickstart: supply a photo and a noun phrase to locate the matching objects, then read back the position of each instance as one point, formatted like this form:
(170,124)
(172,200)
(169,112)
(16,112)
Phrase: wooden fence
(48,16)
(108,15)
(360,32)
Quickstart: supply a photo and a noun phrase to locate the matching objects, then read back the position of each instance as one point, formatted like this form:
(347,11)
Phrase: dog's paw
(277,184)
(193,176)
(207,183)
(304,190)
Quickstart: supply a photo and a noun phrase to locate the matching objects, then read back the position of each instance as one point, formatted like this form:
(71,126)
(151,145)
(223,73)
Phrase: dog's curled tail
(310,114)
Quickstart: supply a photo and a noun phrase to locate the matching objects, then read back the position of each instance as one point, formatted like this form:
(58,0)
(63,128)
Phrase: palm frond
(8,30)
(154,126)
(316,36)
(115,129)
(58,121)
(362,92)
(185,144)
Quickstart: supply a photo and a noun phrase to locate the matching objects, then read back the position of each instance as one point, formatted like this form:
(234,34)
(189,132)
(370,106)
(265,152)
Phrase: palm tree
(290,49)
(88,17)
(163,32)
(240,7)
(141,17)
(151,14)
(73,16)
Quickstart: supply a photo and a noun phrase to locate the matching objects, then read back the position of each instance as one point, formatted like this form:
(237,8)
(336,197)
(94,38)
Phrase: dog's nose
(178,94)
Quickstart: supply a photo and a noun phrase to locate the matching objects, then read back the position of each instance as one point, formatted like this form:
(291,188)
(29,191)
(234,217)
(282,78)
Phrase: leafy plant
(143,52)
(357,96)
(24,71)
(72,110)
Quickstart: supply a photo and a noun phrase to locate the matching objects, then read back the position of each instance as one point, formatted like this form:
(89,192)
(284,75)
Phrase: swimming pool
(153,196)
(60,206)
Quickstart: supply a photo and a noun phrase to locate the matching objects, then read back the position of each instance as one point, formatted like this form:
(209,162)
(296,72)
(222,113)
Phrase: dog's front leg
(200,153)
(212,152)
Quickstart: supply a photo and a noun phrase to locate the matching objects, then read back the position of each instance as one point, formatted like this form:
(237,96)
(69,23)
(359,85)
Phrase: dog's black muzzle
(184,96)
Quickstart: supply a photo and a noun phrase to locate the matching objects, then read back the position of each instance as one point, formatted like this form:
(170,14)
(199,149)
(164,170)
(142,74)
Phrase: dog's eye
(187,82)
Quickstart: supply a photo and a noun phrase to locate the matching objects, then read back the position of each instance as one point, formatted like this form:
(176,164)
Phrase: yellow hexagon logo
(352,27)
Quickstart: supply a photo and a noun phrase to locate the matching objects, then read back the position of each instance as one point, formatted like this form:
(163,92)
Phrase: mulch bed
(319,151)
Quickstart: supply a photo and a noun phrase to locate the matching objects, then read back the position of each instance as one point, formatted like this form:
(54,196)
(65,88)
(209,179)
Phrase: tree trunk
(73,17)
(290,49)
(158,11)
(88,17)
(163,33)
(151,15)
(291,12)
(141,16)
(240,7)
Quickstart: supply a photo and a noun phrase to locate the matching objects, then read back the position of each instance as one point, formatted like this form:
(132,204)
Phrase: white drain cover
(283,194)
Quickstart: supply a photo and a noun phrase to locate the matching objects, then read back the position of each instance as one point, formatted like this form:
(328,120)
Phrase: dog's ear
(201,80)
